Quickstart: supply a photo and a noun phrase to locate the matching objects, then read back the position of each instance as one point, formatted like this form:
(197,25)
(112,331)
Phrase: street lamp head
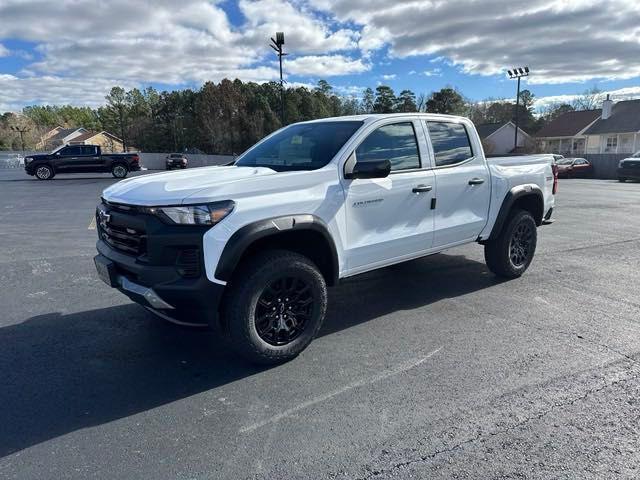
(526,69)
(510,73)
(279,38)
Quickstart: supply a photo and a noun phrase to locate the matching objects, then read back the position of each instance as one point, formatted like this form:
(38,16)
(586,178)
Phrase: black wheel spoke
(283,310)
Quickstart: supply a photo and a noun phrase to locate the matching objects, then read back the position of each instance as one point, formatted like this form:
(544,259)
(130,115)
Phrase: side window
(450,142)
(396,143)
(88,150)
(71,151)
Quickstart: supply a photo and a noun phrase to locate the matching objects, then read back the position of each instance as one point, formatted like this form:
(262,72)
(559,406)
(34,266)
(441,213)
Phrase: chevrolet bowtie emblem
(104,216)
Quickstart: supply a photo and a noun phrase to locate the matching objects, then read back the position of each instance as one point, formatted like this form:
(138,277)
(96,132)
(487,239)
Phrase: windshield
(306,146)
(636,155)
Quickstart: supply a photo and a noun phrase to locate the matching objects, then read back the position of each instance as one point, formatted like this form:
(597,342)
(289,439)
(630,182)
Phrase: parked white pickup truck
(251,248)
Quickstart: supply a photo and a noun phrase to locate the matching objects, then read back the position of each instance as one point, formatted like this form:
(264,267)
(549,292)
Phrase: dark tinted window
(301,147)
(88,150)
(450,143)
(71,151)
(396,143)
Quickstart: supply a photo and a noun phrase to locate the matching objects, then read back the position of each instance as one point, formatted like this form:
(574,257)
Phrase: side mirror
(372,169)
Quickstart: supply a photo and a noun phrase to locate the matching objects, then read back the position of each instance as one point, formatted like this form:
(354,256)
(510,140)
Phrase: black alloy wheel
(520,245)
(283,309)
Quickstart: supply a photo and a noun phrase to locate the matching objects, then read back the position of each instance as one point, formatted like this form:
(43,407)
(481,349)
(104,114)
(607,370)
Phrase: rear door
(91,160)
(462,181)
(386,219)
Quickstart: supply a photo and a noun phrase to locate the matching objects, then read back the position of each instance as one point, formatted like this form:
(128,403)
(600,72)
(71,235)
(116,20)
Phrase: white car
(251,248)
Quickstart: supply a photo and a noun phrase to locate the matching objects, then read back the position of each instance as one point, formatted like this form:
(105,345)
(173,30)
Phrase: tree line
(230,116)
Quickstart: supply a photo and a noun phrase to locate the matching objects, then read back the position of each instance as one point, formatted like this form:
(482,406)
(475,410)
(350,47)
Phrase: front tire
(275,307)
(511,253)
(44,172)
(119,171)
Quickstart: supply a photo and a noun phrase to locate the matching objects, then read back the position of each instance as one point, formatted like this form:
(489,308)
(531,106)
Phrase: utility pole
(21,131)
(277,46)
(517,73)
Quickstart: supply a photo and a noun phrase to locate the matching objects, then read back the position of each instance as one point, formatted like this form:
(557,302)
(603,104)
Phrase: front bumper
(158,277)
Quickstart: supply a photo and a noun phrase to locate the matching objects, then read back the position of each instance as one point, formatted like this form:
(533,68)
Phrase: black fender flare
(513,195)
(240,241)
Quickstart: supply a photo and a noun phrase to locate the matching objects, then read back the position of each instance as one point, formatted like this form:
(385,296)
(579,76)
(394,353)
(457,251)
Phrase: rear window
(450,142)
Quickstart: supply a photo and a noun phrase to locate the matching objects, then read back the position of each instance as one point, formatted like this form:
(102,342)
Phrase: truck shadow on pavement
(60,373)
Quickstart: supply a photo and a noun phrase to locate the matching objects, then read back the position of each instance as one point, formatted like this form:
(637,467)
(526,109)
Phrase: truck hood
(174,188)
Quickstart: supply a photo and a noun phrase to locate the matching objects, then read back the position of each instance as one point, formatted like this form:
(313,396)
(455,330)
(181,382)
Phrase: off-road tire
(248,287)
(498,253)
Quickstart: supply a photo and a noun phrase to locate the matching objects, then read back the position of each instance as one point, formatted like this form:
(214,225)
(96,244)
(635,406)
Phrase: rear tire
(511,253)
(276,304)
(44,172)
(119,170)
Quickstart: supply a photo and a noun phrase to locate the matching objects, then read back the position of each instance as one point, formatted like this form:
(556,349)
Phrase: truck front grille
(125,239)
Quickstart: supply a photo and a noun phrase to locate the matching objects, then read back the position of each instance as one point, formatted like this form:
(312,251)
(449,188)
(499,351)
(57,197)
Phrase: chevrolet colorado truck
(251,248)
(80,159)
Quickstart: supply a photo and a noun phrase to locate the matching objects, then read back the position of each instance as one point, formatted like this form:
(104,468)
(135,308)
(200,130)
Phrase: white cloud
(627,93)
(4,51)
(434,72)
(308,33)
(389,76)
(325,65)
(562,41)
(15,91)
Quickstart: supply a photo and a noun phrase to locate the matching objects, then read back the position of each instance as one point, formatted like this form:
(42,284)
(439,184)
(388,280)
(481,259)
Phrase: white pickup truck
(250,248)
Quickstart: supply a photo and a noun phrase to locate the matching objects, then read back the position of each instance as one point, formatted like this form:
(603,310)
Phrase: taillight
(135,159)
(554,169)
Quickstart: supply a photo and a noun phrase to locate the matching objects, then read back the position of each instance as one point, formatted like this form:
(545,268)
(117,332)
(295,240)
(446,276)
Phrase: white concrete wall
(157,161)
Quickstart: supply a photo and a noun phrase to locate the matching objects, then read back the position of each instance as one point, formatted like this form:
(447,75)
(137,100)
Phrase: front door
(68,159)
(463,184)
(390,219)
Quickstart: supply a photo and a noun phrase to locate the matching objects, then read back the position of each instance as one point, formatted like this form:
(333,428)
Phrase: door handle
(422,189)
(476,181)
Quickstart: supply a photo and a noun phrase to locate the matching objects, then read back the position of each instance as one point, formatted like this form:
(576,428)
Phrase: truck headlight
(205,214)
(28,160)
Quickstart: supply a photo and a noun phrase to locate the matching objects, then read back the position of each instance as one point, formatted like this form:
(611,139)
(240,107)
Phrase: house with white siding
(613,129)
(499,138)
(617,130)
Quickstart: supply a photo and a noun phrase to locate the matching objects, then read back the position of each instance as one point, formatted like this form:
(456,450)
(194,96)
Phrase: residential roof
(487,129)
(65,132)
(87,135)
(625,118)
(83,136)
(569,124)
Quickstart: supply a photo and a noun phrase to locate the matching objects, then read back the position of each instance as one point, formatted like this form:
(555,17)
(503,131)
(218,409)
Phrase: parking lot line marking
(92,223)
(403,367)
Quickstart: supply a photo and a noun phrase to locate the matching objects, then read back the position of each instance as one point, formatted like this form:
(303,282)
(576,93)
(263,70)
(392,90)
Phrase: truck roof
(370,117)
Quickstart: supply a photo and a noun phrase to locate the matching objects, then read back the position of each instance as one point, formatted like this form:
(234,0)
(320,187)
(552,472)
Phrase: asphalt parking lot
(429,369)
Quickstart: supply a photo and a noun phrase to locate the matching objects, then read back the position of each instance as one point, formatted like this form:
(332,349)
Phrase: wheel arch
(525,197)
(304,234)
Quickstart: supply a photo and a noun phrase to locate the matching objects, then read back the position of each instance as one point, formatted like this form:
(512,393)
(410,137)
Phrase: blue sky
(73,51)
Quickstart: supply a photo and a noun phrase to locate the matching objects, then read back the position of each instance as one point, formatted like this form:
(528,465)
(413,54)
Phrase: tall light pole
(277,44)
(21,131)
(513,74)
